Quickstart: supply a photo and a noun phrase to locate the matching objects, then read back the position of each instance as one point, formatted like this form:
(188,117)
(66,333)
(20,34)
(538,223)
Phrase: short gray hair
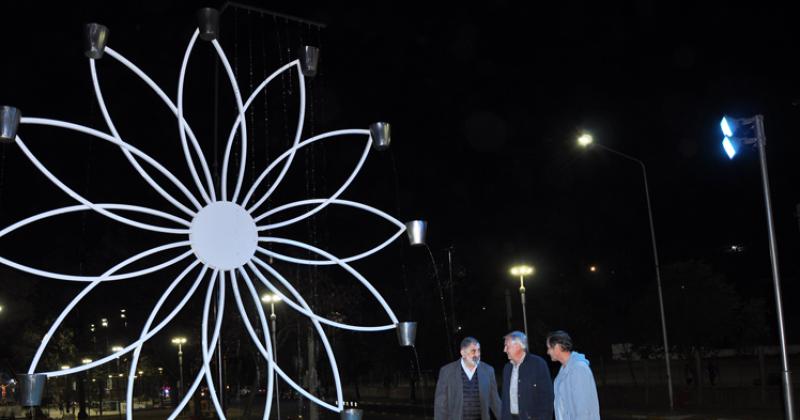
(518,337)
(468,341)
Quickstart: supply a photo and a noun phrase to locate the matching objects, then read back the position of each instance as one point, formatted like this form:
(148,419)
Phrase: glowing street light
(731,147)
(180,341)
(727,125)
(271,298)
(585,139)
(521,271)
(750,131)
(117,349)
(582,141)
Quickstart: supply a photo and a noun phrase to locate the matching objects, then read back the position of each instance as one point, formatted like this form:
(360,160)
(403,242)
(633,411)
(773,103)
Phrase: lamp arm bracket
(748,140)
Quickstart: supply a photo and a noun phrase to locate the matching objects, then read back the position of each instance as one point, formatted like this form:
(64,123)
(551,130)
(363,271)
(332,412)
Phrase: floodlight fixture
(737,132)
(731,147)
(727,125)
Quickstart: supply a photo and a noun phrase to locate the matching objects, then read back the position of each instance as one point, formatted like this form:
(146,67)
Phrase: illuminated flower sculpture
(222,232)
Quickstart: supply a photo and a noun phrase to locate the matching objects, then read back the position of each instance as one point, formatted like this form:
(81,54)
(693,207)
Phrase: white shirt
(513,391)
(467,371)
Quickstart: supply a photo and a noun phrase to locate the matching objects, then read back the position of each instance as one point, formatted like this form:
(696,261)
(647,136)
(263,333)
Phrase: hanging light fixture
(309,61)
(352,414)
(208,23)
(96,37)
(407,333)
(9,122)
(417,230)
(381,135)
(30,387)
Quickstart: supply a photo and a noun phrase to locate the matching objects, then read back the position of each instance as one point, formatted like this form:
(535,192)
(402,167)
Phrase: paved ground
(698,414)
(394,410)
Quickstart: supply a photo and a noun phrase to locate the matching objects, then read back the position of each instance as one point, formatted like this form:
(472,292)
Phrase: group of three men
(467,389)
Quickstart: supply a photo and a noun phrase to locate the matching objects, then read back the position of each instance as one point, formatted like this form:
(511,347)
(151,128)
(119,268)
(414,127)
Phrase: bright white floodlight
(730,146)
(585,140)
(727,127)
(730,143)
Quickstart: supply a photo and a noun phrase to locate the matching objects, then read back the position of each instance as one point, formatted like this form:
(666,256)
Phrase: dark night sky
(486,102)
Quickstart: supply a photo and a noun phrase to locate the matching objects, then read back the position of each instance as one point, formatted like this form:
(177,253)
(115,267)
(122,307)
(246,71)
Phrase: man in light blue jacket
(575,390)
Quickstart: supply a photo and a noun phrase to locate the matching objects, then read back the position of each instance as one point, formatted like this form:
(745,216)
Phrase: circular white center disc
(223,235)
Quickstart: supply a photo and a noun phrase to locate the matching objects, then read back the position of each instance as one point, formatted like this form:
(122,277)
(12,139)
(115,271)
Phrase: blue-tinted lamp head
(727,125)
(730,146)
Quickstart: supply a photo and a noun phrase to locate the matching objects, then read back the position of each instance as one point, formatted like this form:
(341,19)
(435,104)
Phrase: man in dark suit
(527,387)
(466,388)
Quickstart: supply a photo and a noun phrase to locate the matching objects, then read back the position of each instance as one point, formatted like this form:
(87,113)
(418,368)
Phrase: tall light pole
(272,299)
(180,341)
(750,131)
(66,391)
(586,140)
(82,412)
(119,384)
(521,271)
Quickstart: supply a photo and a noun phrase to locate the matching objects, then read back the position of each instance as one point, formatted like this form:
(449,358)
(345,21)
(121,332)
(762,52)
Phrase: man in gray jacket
(466,388)
(576,393)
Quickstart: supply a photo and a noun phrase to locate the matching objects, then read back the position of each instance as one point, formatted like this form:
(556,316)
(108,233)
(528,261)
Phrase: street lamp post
(586,140)
(521,271)
(731,142)
(82,412)
(180,341)
(67,407)
(119,384)
(272,299)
